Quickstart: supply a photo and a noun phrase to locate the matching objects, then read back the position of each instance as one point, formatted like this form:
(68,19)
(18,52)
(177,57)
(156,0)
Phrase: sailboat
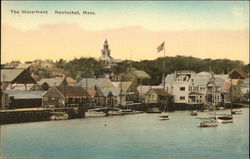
(164,115)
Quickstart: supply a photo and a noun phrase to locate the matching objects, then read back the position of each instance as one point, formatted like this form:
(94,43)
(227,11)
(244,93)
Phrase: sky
(203,29)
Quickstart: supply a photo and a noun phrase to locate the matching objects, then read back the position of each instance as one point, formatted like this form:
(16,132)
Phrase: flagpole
(164,64)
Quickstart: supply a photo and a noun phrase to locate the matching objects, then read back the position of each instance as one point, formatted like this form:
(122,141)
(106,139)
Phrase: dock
(36,114)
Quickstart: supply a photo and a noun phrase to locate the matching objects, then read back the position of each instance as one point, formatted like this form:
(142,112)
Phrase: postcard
(124,79)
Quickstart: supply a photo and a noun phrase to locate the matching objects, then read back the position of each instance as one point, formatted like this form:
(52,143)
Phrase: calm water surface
(128,137)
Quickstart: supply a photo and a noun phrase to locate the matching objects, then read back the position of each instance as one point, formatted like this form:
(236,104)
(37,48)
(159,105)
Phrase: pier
(36,114)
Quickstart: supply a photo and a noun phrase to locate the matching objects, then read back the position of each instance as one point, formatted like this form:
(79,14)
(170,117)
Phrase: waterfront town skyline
(188,30)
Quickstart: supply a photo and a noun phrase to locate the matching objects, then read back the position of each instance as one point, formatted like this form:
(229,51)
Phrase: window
(73,100)
(52,98)
(182,97)
(182,88)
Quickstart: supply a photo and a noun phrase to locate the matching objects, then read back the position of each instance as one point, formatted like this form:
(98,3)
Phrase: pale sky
(204,29)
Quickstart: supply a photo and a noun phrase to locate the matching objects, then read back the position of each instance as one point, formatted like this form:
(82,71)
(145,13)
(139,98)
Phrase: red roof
(242,73)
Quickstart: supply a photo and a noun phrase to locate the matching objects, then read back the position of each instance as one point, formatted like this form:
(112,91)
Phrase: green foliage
(89,67)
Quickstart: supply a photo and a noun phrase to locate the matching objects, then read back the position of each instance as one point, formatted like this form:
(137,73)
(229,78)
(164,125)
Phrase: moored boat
(209,123)
(115,112)
(92,113)
(153,110)
(194,113)
(129,111)
(59,116)
(236,112)
(164,116)
(225,119)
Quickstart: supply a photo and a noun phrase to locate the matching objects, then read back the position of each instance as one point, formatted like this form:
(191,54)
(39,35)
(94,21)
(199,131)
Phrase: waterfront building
(14,78)
(197,89)
(111,96)
(65,96)
(127,95)
(106,87)
(97,98)
(143,89)
(158,97)
(236,90)
(24,98)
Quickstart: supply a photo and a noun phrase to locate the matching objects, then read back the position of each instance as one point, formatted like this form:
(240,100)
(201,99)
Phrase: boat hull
(209,124)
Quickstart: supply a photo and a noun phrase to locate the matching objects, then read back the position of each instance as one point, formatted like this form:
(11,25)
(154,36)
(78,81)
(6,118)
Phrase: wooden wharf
(36,114)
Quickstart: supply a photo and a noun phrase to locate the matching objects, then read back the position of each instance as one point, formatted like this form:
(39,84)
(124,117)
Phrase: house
(157,96)
(136,76)
(236,90)
(143,89)
(180,85)
(110,92)
(112,96)
(24,98)
(15,77)
(238,73)
(127,95)
(65,96)
(198,88)
(97,98)
(56,72)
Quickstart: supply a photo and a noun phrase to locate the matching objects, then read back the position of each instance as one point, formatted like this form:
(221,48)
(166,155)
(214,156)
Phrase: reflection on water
(132,136)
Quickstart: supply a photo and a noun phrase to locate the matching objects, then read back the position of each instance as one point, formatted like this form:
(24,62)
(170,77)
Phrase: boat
(236,112)
(194,113)
(153,110)
(92,113)
(164,116)
(225,118)
(129,111)
(59,116)
(209,123)
(115,112)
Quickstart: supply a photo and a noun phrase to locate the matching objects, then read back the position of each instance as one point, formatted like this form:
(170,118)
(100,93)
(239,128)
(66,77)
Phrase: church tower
(106,59)
(106,50)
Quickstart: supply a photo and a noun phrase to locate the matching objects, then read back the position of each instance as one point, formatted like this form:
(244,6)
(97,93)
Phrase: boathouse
(24,98)
(65,96)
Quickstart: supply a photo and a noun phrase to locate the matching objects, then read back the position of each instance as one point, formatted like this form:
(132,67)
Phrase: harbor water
(140,136)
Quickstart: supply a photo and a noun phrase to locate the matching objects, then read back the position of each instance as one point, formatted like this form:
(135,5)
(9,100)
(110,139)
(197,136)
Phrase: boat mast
(164,74)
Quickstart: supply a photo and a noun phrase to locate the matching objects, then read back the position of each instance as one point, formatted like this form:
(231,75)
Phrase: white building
(190,88)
